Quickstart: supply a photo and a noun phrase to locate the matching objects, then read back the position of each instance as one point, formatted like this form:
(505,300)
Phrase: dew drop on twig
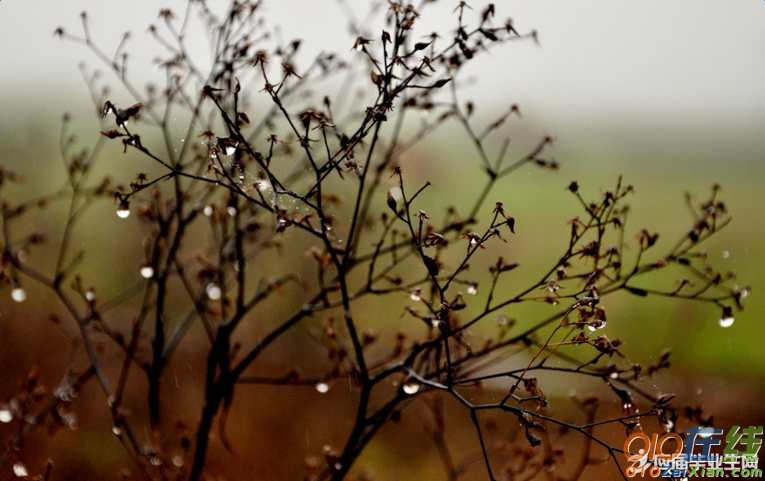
(595,325)
(123,212)
(726,320)
(411,388)
(322,387)
(20,470)
(18,294)
(6,416)
(263,185)
(213,292)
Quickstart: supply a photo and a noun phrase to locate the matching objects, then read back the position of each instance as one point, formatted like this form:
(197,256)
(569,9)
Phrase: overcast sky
(699,61)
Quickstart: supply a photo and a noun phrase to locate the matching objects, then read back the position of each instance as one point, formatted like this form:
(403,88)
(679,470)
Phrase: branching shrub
(282,217)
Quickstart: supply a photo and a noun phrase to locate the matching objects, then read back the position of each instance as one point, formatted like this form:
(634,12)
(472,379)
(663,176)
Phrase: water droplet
(595,325)
(411,388)
(745,292)
(472,289)
(18,294)
(614,375)
(698,390)
(725,254)
(668,427)
(90,295)
(213,292)
(230,150)
(123,212)
(6,416)
(338,466)
(501,321)
(207,211)
(20,470)
(231,211)
(415,296)
(156,461)
(116,431)
(726,321)
(147,272)
(322,387)
(178,461)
